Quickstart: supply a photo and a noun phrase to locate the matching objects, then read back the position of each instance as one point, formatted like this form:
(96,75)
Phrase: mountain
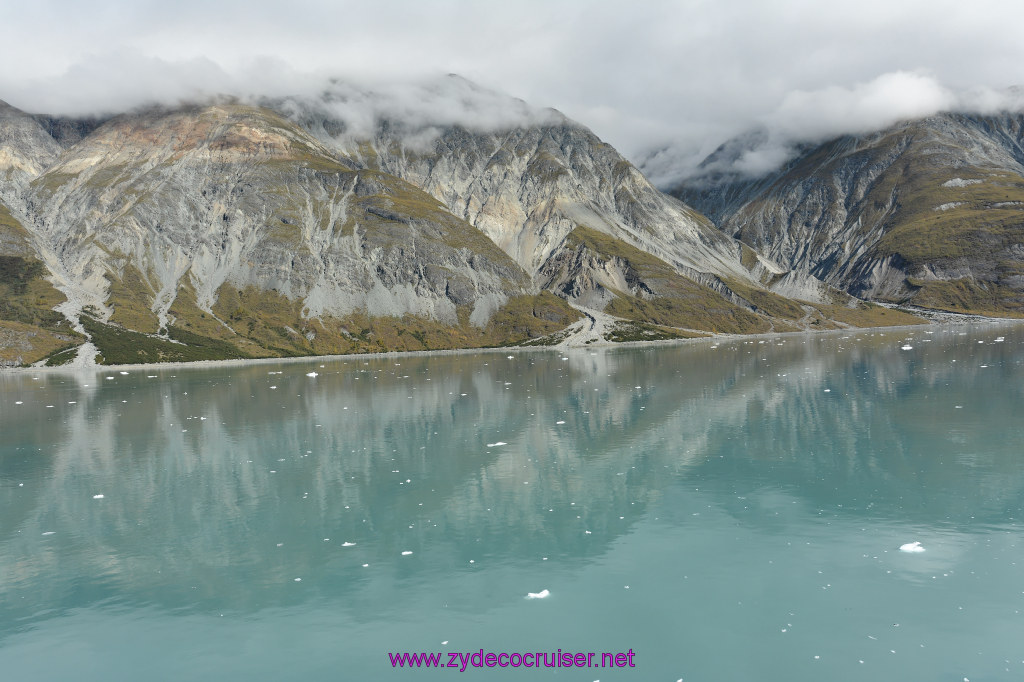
(295,227)
(927,212)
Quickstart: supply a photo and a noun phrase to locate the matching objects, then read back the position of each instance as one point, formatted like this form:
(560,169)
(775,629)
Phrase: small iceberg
(912,547)
(312,374)
(348,544)
(543,594)
(494,445)
(906,347)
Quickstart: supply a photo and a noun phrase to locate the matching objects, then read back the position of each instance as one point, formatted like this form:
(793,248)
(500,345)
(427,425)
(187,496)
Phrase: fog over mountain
(664,82)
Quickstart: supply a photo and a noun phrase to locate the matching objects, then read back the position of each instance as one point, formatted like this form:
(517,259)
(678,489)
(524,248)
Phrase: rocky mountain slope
(928,212)
(278,228)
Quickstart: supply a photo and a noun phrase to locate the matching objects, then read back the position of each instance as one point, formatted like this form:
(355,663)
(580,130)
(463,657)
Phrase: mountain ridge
(926,212)
(237,229)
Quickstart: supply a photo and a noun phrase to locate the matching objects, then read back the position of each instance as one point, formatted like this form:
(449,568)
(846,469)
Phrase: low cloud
(864,107)
(806,117)
(666,83)
(417,109)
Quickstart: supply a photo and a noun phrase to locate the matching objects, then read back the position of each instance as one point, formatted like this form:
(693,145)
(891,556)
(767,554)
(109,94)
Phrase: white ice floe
(348,544)
(906,347)
(406,553)
(124,373)
(494,445)
(912,547)
(49,532)
(543,594)
(312,374)
(999,339)
(97,497)
(559,422)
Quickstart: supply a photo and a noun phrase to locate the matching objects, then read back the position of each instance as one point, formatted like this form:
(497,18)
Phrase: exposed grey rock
(864,213)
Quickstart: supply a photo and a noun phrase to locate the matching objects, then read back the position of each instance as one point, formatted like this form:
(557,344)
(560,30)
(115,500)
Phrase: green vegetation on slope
(131,296)
(968,296)
(765,301)
(622,332)
(29,327)
(935,223)
(119,346)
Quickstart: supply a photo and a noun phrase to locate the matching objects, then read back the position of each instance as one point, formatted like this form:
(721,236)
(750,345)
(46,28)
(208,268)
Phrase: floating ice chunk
(348,544)
(999,339)
(49,532)
(494,445)
(912,547)
(828,390)
(511,357)
(97,497)
(560,422)
(406,553)
(312,374)
(906,347)
(543,594)
(298,580)
(17,402)
(123,373)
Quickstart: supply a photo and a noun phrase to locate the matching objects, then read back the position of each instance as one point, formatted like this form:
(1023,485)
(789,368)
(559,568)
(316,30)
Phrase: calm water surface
(728,511)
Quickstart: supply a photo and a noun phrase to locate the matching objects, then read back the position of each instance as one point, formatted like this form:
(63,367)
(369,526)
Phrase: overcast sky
(642,75)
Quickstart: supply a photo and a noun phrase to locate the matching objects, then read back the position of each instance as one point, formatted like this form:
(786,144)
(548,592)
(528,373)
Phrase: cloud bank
(666,81)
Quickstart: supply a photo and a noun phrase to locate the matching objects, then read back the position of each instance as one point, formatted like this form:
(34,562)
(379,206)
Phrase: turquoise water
(727,511)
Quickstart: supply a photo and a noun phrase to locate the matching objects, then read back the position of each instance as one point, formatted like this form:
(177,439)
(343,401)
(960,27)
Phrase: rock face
(232,223)
(929,212)
(534,189)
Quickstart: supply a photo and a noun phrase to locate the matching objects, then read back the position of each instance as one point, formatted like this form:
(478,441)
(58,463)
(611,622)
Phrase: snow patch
(960,182)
